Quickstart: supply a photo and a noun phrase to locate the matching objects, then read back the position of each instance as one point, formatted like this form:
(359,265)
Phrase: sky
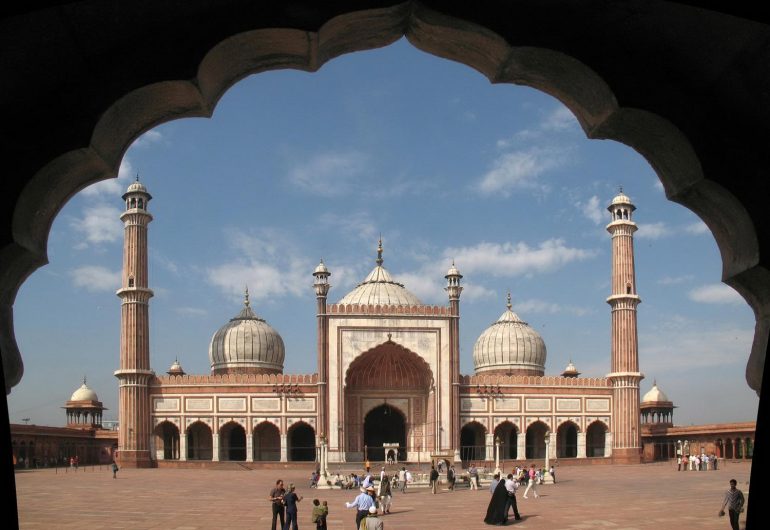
(294,167)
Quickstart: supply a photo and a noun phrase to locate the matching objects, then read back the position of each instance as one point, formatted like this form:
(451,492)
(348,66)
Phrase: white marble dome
(246,344)
(379,288)
(655,395)
(509,346)
(84,394)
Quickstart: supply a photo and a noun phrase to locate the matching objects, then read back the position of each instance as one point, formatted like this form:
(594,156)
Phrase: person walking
(450,478)
(734,501)
(290,499)
(473,474)
(114,468)
(384,494)
(276,500)
(320,512)
(532,482)
(552,472)
(402,480)
(511,484)
(361,503)
(433,479)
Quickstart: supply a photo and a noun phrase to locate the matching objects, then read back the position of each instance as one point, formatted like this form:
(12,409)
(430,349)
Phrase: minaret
(454,289)
(134,372)
(322,286)
(625,375)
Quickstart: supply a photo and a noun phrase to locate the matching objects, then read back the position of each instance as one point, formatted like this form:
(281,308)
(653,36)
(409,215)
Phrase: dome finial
(137,176)
(84,379)
(246,297)
(620,189)
(508,305)
(379,252)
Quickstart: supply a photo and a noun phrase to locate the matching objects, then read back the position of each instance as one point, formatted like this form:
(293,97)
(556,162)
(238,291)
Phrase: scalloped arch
(236,56)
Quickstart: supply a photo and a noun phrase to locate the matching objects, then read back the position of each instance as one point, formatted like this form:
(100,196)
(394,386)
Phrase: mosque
(388,381)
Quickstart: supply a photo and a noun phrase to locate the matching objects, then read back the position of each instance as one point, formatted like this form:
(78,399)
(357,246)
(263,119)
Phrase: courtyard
(599,496)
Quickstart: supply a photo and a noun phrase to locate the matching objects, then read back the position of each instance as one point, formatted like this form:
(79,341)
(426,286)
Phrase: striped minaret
(134,372)
(454,289)
(625,375)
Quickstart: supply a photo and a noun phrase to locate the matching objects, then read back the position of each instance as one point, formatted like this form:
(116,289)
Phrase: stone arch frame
(359,359)
(477,451)
(303,453)
(85,156)
(169,442)
(509,451)
(401,450)
(533,443)
(273,453)
(198,449)
(591,445)
(564,447)
(226,450)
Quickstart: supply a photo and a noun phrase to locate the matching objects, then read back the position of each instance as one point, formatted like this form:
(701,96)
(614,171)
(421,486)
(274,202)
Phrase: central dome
(246,344)
(379,288)
(509,346)
(84,393)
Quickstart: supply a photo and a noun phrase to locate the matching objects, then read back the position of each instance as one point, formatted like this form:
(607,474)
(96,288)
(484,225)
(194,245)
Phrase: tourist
(314,479)
(367,479)
(114,468)
(714,458)
(382,474)
(498,504)
(532,482)
(433,479)
(734,502)
(276,499)
(473,475)
(450,478)
(291,499)
(372,521)
(361,503)
(320,511)
(384,494)
(402,480)
(511,484)
(493,483)
(552,471)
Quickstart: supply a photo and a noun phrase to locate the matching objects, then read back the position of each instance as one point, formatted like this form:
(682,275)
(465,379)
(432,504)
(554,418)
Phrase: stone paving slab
(613,497)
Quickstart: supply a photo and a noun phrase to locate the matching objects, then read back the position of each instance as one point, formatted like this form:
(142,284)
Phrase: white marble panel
(199,404)
(265,404)
(597,405)
(508,404)
(567,404)
(231,404)
(538,404)
(300,404)
(166,404)
(473,404)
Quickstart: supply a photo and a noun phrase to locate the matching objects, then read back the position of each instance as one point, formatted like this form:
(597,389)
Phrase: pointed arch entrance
(200,442)
(267,442)
(166,441)
(384,424)
(596,439)
(472,442)
(391,385)
(566,440)
(232,442)
(536,440)
(508,435)
(301,442)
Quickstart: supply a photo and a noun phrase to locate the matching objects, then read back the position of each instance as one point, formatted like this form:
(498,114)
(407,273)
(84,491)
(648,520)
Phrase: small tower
(656,408)
(322,286)
(176,368)
(134,373)
(570,370)
(624,374)
(84,410)
(454,289)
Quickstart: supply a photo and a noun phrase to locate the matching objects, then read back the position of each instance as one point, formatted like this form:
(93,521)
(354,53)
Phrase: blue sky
(294,167)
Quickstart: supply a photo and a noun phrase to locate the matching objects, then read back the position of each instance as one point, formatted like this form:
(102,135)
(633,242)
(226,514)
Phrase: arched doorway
(200,442)
(384,425)
(166,441)
(536,440)
(472,442)
(566,440)
(301,441)
(508,435)
(595,439)
(267,442)
(729,448)
(232,442)
(401,380)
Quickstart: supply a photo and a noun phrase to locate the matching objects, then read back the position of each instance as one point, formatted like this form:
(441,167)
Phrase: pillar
(521,446)
(284,451)
(581,445)
(489,440)
(183,446)
(215,447)
(249,446)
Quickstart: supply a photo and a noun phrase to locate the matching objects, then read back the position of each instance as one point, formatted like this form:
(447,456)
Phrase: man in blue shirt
(362,503)
(290,500)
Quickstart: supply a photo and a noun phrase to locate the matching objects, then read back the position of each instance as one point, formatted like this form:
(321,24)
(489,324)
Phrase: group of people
(284,504)
(503,491)
(701,462)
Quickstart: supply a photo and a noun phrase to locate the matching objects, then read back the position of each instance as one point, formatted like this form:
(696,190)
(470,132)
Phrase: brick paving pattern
(616,497)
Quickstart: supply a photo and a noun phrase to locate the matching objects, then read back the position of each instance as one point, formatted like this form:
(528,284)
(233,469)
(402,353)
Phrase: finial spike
(137,177)
(84,379)
(620,188)
(508,305)
(379,252)
(246,297)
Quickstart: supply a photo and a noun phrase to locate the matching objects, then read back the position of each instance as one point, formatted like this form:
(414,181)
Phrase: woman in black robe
(498,505)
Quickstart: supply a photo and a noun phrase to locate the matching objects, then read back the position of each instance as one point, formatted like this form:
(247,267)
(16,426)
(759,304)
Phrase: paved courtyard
(617,497)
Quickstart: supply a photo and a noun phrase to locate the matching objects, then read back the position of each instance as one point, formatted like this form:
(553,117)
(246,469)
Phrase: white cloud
(509,259)
(519,170)
(533,305)
(428,285)
(112,187)
(592,209)
(669,280)
(717,293)
(191,311)
(559,119)
(697,228)
(355,224)
(95,278)
(658,185)
(653,231)
(100,224)
(149,138)
(329,174)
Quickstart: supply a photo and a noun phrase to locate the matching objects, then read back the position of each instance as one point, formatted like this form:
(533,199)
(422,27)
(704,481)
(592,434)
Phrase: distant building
(84,437)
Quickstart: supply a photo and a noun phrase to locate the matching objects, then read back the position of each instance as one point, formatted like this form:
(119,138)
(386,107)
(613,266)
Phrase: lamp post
(547,478)
(497,455)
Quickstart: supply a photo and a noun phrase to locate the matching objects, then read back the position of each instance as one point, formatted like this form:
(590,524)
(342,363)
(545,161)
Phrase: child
(319,514)
(114,468)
